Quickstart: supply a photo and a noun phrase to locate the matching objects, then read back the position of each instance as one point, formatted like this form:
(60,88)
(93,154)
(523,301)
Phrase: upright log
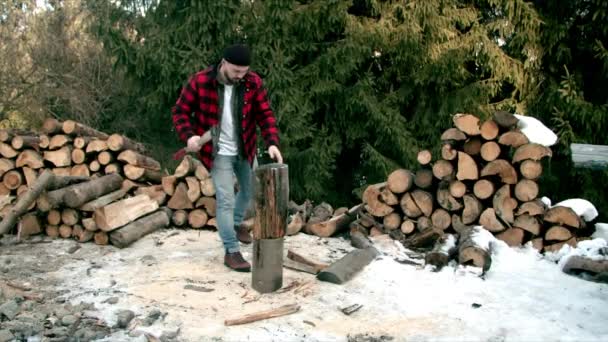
(271,189)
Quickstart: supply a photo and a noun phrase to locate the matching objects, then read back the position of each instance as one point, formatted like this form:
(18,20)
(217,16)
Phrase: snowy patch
(581,207)
(536,131)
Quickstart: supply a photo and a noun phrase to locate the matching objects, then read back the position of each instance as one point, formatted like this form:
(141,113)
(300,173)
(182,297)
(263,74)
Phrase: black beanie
(238,54)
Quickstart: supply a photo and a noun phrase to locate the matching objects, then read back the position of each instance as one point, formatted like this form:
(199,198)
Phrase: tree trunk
(78,194)
(271,198)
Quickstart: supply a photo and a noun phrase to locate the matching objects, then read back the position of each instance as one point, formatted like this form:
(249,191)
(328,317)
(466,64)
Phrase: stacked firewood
(191,195)
(99,183)
(485,176)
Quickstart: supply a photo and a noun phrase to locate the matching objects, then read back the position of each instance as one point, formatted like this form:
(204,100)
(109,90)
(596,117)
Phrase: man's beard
(228,80)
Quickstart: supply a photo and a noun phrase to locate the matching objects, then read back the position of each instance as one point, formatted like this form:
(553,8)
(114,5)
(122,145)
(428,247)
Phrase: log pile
(191,195)
(99,184)
(485,176)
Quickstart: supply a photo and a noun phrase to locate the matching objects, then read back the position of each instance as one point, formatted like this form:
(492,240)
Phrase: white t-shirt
(227,143)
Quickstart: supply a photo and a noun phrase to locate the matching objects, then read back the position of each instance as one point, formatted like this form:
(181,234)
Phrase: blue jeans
(230,208)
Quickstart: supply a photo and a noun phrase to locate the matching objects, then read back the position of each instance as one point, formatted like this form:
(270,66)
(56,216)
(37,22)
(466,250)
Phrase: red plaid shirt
(199,98)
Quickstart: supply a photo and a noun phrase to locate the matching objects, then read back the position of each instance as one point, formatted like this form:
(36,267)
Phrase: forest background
(358,87)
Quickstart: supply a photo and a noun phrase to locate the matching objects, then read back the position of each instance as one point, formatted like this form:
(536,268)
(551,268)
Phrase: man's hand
(195,142)
(275,154)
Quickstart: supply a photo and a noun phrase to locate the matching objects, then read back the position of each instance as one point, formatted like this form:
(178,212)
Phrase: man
(216,116)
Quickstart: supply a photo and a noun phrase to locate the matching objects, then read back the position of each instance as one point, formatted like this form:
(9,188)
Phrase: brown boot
(237,262)
(242,233)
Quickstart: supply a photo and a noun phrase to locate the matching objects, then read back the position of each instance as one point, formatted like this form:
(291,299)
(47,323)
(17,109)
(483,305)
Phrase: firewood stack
(101,183)
(486,176)
(191,195)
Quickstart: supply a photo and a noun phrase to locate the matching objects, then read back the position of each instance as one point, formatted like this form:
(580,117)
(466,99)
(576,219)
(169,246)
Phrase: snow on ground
(523,297)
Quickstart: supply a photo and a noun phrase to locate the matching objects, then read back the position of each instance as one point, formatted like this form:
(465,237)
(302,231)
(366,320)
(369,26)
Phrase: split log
(531,169)
(443,169)
(442,252)
(474,248)
(513,237)
(194,188)
(201,172)
(457,224)
(514,139)
(187,166)
(409,207)
(112,168)
(441,219)
(490,222)
(82,235)
(467,168)
(22,141)
(96,146)
(472,209)
(537,244)
(400,180)
(558,233)
(80,170)
(117,142)
(320,213)
(168,183)
(7,151)
(295,224)
(6,165)
(180,200)
(58,141)
(78,194)
(43,141)
(29,225)
(503,169)
(209,204)
(504,205)
(526,190)
(452,135)
(139,173)
(52,126)
(60,158)
(490,151)
(197,218)
(424,201)
(24,202)
(212,222)
(179,217)
(266,314)
(89,224)
(348,266)
(207,187)
(424,157)
(155,192)
(448,152)
(489,129)
(483,189)
(120,213)
(336,224)
(472,146)
(31,159)
(140,160)
(103,200)
(560,215)
(74,128)
(467,123)
(423,178)
(528,223)
(388,197)
(505,119)
(375,206)
(531,151)
(533,208)
(446,200)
